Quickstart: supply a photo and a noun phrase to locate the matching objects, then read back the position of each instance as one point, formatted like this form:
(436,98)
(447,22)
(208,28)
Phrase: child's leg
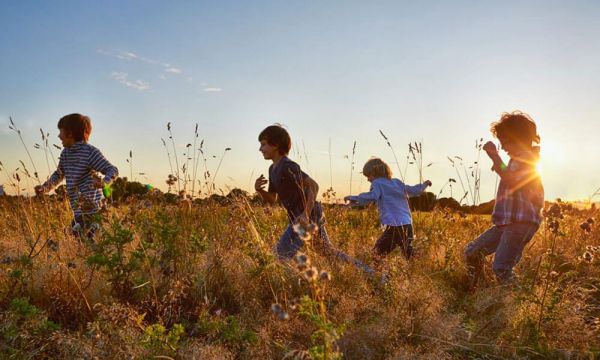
(330,250)
(385,243)
(406,237)
(476,250)
(77,226)
(509,250)
(288,244)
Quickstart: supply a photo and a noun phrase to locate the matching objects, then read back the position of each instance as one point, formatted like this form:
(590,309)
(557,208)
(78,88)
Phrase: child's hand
(260,183)
(98,183)
(427,183)
(39,190)
(490,148)
(349,199)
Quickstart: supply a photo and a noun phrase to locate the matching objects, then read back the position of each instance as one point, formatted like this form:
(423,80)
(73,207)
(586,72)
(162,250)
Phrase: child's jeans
(290,242)
(507,241)
(85,227)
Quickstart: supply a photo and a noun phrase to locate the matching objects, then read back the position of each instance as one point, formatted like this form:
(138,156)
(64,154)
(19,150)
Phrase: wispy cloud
(174,70)
(131,56)
(122,78)
(213,89)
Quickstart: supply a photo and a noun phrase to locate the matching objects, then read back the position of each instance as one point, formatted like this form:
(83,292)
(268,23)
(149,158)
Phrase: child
(78,163)
(391,196)
(519,200)
(297,192)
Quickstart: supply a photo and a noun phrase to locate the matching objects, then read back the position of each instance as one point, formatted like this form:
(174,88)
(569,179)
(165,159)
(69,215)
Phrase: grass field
(178,281)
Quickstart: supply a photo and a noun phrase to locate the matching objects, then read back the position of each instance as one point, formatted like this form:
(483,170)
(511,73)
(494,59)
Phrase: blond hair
(377,168)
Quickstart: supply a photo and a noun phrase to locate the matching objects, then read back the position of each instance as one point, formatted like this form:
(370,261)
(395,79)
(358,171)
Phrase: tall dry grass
(178,282)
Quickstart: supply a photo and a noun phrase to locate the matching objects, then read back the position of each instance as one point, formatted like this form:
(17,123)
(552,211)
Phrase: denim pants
(290,242)
(85,227)
(507,241)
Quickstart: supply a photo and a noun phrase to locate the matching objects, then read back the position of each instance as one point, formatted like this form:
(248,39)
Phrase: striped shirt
(522,199)
(79,165)
(391,196)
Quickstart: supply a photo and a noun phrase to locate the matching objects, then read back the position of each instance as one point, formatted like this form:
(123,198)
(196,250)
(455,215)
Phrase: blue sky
(434,71)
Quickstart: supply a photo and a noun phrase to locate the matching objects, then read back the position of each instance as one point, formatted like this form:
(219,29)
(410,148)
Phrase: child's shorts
(394,236)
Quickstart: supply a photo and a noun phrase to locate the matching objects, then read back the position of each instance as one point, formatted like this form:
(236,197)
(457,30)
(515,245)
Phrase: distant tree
(423,202)
(448,203)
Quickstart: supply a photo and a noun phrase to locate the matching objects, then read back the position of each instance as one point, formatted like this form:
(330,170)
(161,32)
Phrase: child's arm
(311,189)
(99,163)
(367,197)
(417,190)
(57,176)
(523,171)
(259,186)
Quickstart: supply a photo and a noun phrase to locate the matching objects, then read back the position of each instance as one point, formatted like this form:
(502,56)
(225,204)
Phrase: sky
(332,72)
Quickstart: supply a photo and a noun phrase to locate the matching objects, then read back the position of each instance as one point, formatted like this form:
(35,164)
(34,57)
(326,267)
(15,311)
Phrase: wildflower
(305,229)
(554,212)
(553,275)
(553,226)
(278,310)
(588,256)
(324,276)
(283,316)
(302,231)
(53,245)
(171,180)
(294,303)
(585,226)
(76,228)
(302,259)
(311,274)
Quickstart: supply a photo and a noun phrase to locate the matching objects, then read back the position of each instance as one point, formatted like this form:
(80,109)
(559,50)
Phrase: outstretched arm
(367,197)
(416,190)
(57,176)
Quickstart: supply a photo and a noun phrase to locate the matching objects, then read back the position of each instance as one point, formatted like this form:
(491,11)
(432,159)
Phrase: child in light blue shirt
(391,196)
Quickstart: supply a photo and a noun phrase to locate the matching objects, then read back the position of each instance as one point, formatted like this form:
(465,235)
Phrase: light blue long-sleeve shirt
(391,196)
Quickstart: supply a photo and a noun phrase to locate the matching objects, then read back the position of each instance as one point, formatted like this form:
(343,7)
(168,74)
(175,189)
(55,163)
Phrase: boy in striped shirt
(79,164)
(519,200)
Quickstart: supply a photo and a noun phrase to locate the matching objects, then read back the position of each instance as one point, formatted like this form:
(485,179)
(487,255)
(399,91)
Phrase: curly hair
(377,168)
(517,126)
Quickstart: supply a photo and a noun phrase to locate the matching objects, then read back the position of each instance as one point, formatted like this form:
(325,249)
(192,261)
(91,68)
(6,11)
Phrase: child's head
(376,168)
(275,136)
(74,128)
(516,131)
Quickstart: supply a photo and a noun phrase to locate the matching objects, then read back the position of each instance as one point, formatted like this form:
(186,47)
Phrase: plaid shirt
(523,200)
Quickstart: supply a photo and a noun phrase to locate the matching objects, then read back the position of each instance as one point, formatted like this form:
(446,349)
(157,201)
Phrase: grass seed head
(311,273)
(324,276)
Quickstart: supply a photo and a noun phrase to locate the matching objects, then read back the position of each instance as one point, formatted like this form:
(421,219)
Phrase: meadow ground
(167,281)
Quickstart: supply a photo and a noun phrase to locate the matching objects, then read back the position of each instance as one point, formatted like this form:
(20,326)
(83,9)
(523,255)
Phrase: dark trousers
(395,236)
